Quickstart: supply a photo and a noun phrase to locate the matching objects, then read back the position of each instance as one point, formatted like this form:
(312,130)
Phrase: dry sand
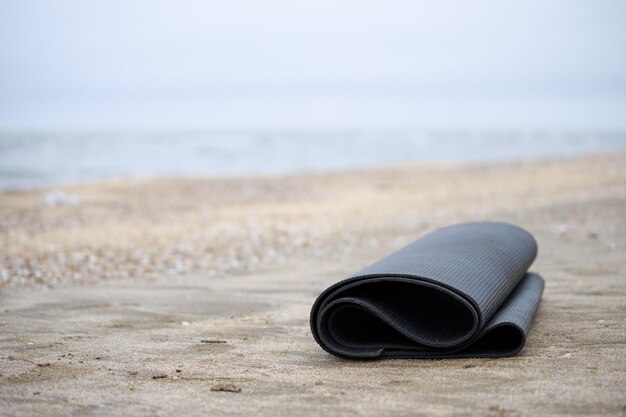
(162,297)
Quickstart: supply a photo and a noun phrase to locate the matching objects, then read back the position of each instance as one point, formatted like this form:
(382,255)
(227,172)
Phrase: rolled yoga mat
(460,291)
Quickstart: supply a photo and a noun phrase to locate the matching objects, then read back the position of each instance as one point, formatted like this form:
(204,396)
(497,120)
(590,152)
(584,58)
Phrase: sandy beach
(156,296)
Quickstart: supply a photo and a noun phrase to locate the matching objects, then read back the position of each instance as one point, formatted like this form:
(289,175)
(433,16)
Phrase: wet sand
(157,296)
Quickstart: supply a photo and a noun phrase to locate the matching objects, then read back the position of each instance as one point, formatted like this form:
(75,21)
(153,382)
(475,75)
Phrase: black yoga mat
(460,291)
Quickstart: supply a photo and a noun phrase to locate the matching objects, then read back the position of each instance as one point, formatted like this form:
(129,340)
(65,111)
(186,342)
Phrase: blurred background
(93,89)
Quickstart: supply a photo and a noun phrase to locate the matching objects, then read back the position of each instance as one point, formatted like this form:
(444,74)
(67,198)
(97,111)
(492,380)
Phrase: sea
(31,159)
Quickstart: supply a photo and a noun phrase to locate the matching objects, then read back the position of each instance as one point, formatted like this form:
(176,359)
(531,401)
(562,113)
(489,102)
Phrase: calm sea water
(36,159)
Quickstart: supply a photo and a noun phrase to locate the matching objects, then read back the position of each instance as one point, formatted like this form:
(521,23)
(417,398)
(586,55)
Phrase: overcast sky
(321,63)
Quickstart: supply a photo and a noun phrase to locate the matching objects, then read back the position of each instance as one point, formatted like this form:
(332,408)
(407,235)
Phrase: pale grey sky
(321,63)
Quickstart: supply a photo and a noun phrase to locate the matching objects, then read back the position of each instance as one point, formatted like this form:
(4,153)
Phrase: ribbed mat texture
(460,291)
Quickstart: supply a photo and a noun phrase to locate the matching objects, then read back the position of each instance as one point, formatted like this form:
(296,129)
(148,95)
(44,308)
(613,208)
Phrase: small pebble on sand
(225,388)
